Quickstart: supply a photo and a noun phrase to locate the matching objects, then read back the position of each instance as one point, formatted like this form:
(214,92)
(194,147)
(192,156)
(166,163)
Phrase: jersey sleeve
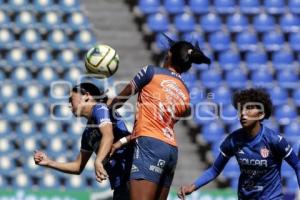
(227,147)
(101,115)
(85,145)
(282,147)
(143,77)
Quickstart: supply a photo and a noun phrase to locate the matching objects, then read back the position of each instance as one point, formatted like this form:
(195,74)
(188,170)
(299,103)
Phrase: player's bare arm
(123,141)
(122,97)
(74,167)
(103,151)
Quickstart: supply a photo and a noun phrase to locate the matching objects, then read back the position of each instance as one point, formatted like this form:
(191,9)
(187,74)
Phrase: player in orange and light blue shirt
(162,100)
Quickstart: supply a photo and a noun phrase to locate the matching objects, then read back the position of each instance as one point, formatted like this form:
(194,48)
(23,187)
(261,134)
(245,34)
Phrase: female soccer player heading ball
(102,129)
(258,150)
(163,98)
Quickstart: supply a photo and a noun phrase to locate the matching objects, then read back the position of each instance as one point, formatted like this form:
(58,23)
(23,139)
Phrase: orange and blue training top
(163,98)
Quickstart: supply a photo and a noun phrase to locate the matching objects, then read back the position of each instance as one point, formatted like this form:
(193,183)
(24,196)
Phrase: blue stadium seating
(219,41)
(69,6)
(264,23)
(211,78)
(26,128)
(8,91)
(274,6)
(273,41)
(229,60)
(288,79)
(31,39)
(185,22)
(256,60)
(147,7)
(77,21)
(58,40)
(283,60)
(225,6)
(250,6)
(291,131)
(213,131)
(51,20)
(46,76)
(25,20)
(69,58)
(5,21)
(174,7)
(39,112)
(7,38)
(278,95)
(236,79)
(199,7)
(42,58)
(285,114)
(294,6)
(246,41)
(18,5)
(222,95)
(71,75)
(237,23)
(229,114)
(194,37)
(44,5)
(84,40)
(272,124)
(210,23)
(205,112)
(262,78)
(296,97)
(294,41)
(158,22)
(289,23)
(32,93)
(16,57)
(292,184)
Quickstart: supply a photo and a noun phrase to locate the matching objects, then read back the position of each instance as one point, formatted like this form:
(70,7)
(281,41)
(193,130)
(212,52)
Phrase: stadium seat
(23,181)
(25,20)
(210,23)
(219,41)
(262,78)
(84,40)
(58,40)
(296,96)
(213,131)
(275,7)
(8,91)
(292,184)
(273,41)
(289,23)
(7,167)
(5,21)
(39,112)
(51,20)
(146,7)
(229,60)
(225,6)
(12,111)
(75,129)
(57,146)
(272,124)
(157,22)
(31,39)
(264,23)
(288,79)
(46,76)
(294,6)
(283,60)
(62,112)
(246,41)
(75,182)
(161,43)
(250,6)
(6,145)
(60,90)
(285,114)
(229,114)
(174,7)
(21,76)
(49,181)
(286,170)
(197,94)
(69,6)
(256,60)
(5,127)
(18,5)
(16,57)
(189,78)
(237,23)
(211,78)
(185,22)
(72,75)
(68,58)
(236,79)
(43,6)
(199,7)
(292,130)
(26,128)
(205,112)
(222,95)
(278,95)
(42,58)
(194,37)
(7,38)
(294,41)
(32,92)
(77,21)
(2,76)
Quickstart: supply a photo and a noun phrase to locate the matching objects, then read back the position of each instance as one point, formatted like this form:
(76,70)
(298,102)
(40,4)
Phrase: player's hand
(40,158)
(115,147)
(100,172)
(185,190)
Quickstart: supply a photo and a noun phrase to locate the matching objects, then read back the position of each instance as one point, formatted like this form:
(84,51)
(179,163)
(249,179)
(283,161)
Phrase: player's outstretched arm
(103,151)
(121,142)
(74,167)
(205,178)
(294,162)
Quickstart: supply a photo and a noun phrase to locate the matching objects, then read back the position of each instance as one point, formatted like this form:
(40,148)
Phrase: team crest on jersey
(264,152)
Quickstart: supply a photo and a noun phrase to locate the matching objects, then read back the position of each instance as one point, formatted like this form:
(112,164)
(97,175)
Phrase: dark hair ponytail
(184,54)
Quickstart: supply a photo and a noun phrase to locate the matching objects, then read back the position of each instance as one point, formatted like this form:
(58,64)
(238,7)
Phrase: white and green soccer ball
(102,60)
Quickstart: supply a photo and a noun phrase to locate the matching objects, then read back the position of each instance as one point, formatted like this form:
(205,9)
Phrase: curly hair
(258,95)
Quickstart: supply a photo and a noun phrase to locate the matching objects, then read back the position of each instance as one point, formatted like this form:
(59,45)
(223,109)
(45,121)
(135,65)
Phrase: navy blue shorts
(154,160)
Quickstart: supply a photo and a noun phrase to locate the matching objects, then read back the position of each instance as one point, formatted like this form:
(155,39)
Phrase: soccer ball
(101,60)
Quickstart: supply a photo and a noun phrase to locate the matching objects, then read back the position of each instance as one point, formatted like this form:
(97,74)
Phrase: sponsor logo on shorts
(134,169)
(161,163)
(159,166)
